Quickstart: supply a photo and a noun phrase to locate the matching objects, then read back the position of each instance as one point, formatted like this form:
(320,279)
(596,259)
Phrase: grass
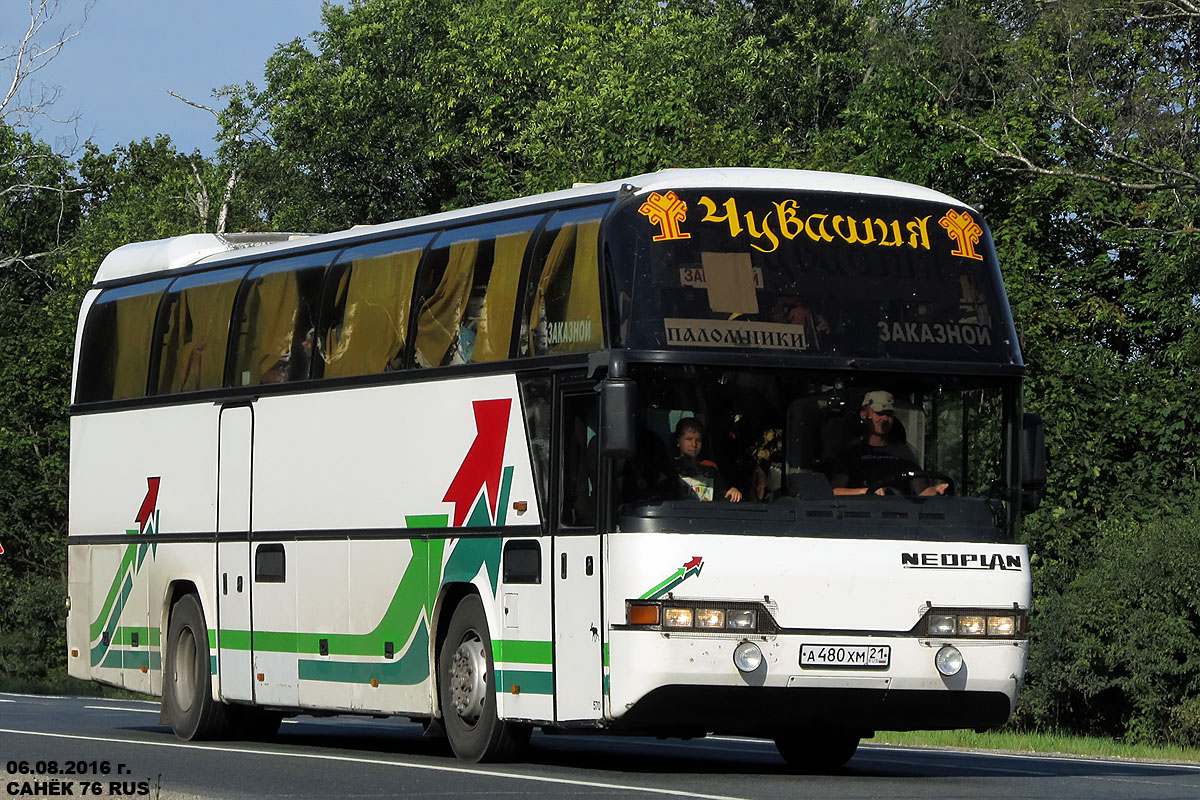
(1038,743)
(59,683)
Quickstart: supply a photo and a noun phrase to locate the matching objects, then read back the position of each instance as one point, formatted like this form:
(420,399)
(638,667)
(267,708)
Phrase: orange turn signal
(644,614)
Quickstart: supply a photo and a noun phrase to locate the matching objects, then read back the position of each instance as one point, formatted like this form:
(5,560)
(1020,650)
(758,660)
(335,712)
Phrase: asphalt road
(111,748)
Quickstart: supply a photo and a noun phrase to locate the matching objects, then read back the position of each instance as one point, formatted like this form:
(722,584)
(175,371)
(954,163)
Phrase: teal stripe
(98,652)
(529,682)
(409,670)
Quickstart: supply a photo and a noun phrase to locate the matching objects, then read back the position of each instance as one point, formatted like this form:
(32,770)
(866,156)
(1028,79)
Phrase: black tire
(253,724)
(817,753)
(187,677)
(467,690)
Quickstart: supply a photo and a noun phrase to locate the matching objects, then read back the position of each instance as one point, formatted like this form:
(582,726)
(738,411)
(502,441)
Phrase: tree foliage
(1119,648)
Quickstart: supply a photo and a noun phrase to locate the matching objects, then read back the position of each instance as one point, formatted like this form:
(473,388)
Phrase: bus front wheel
(817,753)
(467,690)
(187,678)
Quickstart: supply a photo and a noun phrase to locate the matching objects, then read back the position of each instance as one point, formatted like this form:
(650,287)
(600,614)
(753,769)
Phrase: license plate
(823,656)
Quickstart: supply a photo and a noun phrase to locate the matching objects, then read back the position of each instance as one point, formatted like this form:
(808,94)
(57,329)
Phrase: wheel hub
(185,669)
(468,680)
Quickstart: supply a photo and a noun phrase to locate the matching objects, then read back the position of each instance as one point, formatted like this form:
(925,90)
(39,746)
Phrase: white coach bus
(431,469)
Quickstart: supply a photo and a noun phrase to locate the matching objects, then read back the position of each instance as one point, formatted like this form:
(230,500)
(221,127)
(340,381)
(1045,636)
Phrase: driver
(875,459)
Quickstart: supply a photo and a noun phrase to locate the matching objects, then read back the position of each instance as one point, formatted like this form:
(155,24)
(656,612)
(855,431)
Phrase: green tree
(141,191)
(404,108)
(1119,648)
(37,213)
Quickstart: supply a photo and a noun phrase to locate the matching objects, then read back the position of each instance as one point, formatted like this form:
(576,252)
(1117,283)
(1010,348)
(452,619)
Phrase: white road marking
(384,763)
(118,708)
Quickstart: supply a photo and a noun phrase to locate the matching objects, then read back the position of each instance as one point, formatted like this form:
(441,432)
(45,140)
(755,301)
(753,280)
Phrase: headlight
(736,617)
(741,618)
(677,617)
(973,623)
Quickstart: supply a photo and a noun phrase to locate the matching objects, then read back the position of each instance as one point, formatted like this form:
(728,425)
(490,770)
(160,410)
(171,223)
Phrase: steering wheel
(933,476)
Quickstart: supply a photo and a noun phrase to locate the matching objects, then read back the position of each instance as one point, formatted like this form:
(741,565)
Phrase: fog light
(710,618)
(949,661)
(747,657)
(677,618)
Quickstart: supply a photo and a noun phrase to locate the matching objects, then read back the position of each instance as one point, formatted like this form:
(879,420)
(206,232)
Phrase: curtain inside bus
(438,321)
(193,350)
(564,315)
(135,324)
(494,326)
(375,294)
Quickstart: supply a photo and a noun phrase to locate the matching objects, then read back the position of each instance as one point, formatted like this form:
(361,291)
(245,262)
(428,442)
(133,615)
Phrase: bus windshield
(810,453)
(833,274)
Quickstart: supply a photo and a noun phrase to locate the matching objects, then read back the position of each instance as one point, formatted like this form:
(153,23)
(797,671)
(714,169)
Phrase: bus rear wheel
(823,752)
(187,677)
(467,690)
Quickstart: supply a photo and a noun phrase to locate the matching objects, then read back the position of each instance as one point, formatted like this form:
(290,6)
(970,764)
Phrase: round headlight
(949,660)
(747,657)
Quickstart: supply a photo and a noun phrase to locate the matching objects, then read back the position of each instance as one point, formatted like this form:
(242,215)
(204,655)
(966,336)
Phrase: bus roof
(145,258)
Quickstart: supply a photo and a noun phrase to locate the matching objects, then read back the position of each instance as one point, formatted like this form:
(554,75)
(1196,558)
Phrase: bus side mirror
(618,415)
(1033,462)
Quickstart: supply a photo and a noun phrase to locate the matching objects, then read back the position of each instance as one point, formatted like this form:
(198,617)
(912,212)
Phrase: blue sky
(115,74)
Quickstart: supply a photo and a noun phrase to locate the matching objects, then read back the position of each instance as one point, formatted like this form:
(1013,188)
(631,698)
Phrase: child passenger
(702,477)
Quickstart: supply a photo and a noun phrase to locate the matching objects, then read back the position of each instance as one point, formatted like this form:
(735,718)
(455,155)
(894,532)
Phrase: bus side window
(535,400)
(468,294)
(194,331)
(275,318)
(114,360)
(367,308)
(562,299)
(579,460)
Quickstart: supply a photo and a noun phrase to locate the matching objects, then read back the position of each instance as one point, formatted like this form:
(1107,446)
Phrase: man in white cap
(876,460)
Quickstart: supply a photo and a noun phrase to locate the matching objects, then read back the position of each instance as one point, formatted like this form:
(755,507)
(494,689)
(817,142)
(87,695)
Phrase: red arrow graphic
(484,461)
(149,504)
(695,562)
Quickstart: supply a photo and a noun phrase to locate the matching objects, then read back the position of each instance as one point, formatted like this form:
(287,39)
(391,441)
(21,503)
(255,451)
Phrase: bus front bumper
(682,685)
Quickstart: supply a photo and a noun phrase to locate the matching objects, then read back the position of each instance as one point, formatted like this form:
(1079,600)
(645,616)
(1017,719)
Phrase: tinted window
(562,302)
(194,331)
(370,292)
(830,273)
(275,318)
(469,294)
(114,358)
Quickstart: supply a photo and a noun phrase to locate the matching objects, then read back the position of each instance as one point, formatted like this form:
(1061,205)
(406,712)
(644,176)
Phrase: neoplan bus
(428,469)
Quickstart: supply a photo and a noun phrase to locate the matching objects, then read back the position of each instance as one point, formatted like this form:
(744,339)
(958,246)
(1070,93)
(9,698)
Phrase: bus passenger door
(578,638)
(233,552)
